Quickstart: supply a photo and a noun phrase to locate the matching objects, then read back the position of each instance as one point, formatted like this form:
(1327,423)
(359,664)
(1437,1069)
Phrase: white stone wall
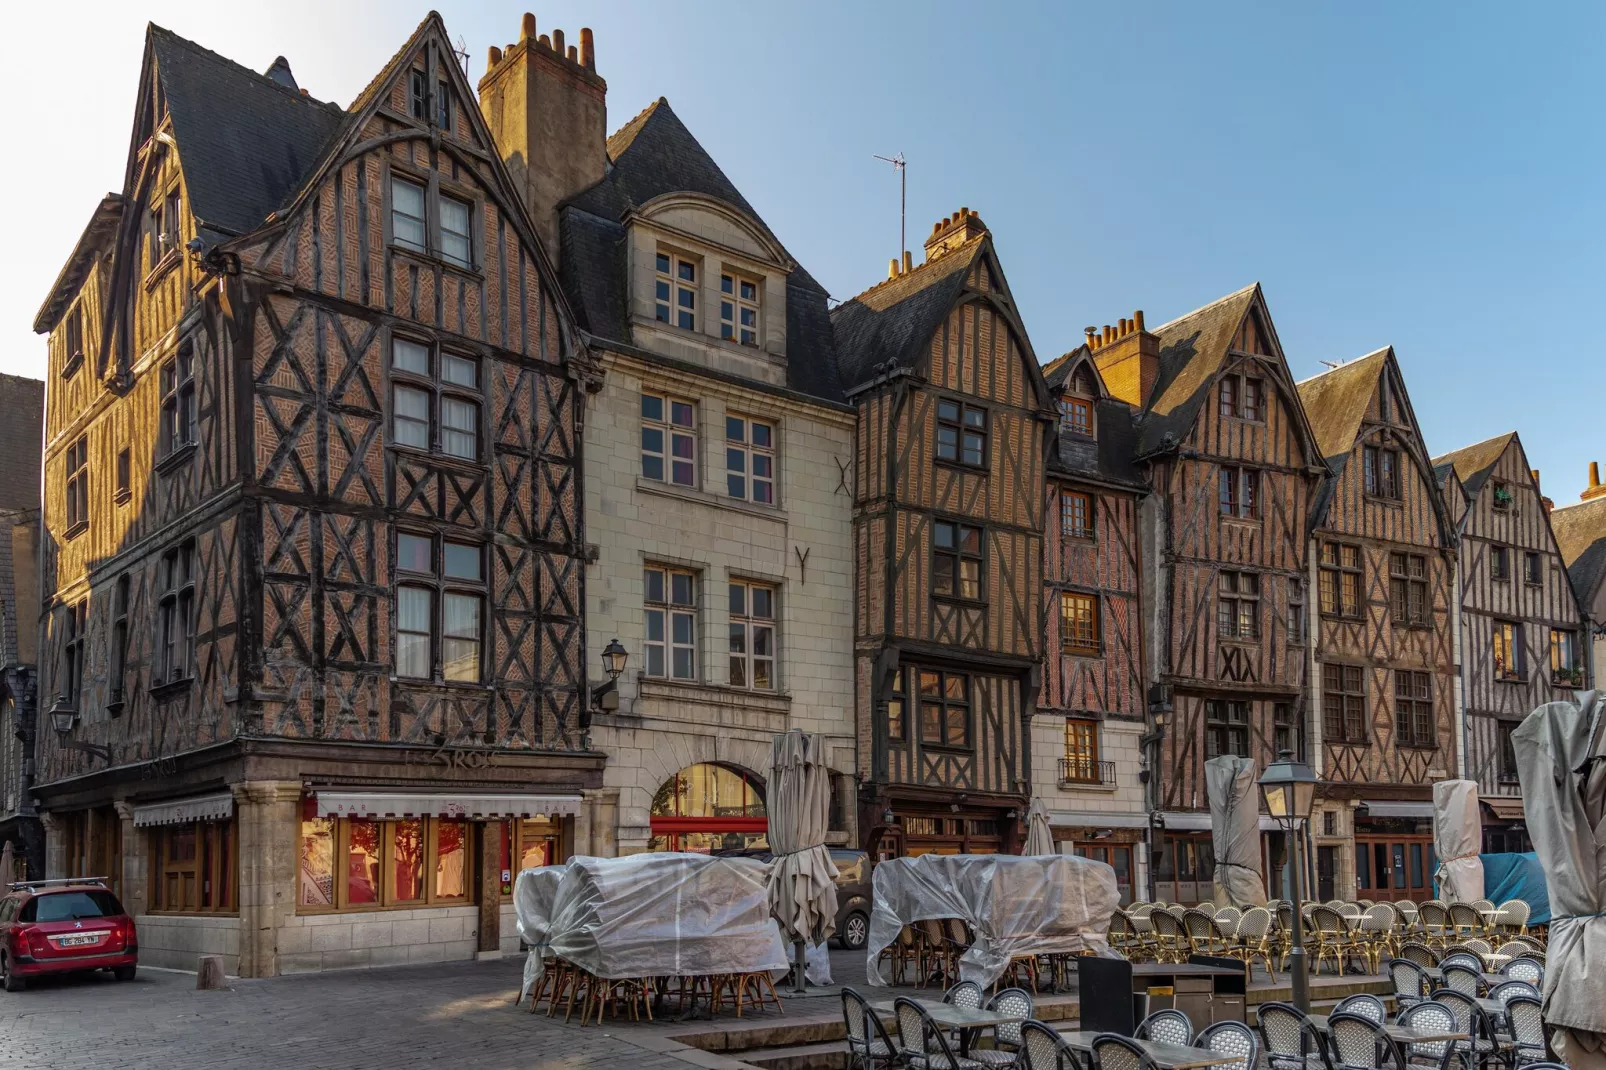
(803,545)
(176,942)
(312,942)
(1118,743)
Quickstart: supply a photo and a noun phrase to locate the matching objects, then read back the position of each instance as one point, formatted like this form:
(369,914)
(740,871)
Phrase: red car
(62,927)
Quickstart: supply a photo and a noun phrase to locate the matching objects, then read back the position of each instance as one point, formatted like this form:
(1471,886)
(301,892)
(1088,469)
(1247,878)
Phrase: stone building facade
(1580,529)
(23,402)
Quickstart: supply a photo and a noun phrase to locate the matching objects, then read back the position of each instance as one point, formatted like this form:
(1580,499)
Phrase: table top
(1182,969)
(1488,978)
(1492,1006)
(1400,1033)
(1169,1056)
(952,1017)
(1495,913)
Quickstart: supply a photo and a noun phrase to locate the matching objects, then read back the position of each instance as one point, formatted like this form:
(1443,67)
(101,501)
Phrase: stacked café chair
(1233,1039)
(1410,982)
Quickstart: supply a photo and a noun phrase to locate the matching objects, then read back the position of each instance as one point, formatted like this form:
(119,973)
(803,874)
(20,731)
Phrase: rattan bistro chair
(1428,1016)
(1527,1029)
(1203,936)
(1168,1026)
(869,1046)
(1476,1051)
(1358,1042)
(1231,1038)
(1367,1006)
(1410,982)
(1113,1052)
(1007,1036)
(1253,940)
(1043,1049)
(1292,1043)
(922,1043)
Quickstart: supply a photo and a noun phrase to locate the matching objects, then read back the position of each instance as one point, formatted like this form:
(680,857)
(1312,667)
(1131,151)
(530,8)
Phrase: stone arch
(669,754)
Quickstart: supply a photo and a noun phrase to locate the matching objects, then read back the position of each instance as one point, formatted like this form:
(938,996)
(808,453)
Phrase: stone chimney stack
(1594,490)
(547,109)
(1127,357)
(953,231)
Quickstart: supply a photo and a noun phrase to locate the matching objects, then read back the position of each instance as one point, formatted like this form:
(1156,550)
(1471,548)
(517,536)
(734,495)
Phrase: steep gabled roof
(246,142)
(889,325)
(96,239)
(1473,463)
(1192,350)
(1580,531)
(1111,456)
(1336,402)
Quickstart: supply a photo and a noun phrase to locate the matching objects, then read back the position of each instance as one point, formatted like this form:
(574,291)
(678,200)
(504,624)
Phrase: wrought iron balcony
(1085,771)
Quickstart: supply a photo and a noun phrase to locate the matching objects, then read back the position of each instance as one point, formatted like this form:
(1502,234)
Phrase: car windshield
(70,906)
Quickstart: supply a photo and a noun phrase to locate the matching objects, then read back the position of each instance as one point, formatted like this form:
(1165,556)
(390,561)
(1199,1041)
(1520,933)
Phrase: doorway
(1389,868)
(1118,856)
(1184,866)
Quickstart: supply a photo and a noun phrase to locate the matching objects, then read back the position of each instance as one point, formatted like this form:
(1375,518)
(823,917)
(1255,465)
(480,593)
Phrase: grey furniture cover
(1457,839)
(1235,831)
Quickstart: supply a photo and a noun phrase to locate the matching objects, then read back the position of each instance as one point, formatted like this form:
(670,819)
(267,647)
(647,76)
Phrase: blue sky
(1423,175)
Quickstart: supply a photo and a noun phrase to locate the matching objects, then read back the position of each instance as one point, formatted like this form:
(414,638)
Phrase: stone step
(831,1056)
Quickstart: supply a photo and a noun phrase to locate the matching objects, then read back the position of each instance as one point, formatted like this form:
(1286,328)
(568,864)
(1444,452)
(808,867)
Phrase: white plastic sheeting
(1235,831)
(665,915)
(533,894)
(1015,905)
(1457,838)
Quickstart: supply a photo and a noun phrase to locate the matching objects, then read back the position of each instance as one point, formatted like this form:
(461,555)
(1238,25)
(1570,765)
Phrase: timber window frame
(1226,727)
(1505,752)
(119,650)
(750,459)
(195,868)
(175,610)
(1296,609)
(753,635)
(1533,569)
(944,709)
(668,439)
(1243,397)
(1285,731)
(670,604)
(898,706)
(1408,590)
(360,864)
(427,219)
(740,307)
(76,632)
(1076,415)
(675,288)
(73,341)
(1342,575)
(962,433)
(1076,514)
(440,603)
(1344,703)
(418,94)
(957,554)
(1500,563)
(1508,652)
(163,227)
(1238,605)
(1381,468)
(178,401)
(437,402)
(77,487)
(1081,761)
(1239,492)
(1566,666)
(1413,709)
(1500,496)
(124,475)
(1079,623)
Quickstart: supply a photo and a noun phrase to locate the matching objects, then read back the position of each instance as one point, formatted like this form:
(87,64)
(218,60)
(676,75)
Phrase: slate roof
(1336,401)
(1111,456)
(1473,463)
(889,325)
(246,142)
(650,156)
(1192,350)
(1580,531)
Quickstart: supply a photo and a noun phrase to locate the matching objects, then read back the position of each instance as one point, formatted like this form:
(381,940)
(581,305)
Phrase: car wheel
(8,980)
(855,931)
(124,973)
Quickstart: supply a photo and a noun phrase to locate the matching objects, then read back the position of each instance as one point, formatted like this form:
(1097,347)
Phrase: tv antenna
(460,49)
(900,165)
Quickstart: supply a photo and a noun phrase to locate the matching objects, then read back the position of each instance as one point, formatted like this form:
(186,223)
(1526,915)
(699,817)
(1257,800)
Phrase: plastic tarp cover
(533,894)
(1517,876)
(1014,904)
(1235,831)
(1457,836)
(666,915)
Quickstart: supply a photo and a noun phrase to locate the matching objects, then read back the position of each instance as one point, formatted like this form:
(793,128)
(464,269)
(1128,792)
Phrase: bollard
(209,972)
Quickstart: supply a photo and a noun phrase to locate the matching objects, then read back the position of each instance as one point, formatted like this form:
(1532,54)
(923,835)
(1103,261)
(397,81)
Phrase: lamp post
(63,718)
(1289,788)
(614,656)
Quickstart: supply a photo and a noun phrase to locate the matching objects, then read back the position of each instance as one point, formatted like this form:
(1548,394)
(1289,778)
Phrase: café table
(1165,1056)
(1437,975)
(963,1019)
(1400,1034)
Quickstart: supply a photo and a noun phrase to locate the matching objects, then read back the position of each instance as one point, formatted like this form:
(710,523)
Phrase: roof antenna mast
(900,165)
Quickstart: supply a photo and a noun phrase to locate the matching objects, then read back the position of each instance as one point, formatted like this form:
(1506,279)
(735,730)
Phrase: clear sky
(1425,175)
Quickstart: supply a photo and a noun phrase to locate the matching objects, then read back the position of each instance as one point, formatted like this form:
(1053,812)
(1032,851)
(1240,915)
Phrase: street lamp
(1289,788)
(63,718)
(614,656)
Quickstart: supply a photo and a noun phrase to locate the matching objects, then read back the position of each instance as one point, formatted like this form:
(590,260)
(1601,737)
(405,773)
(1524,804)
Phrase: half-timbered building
(1383,636)
(1233,469)
(1522,632)
(954,423)
(313,525)
(22,837)
(1091,710)
(1581,536)
(718,448)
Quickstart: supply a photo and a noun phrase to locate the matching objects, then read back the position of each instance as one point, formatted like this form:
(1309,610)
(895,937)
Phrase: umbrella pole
(799,983)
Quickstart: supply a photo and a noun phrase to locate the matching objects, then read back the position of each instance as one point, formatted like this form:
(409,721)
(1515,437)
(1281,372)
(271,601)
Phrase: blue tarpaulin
(1517,876)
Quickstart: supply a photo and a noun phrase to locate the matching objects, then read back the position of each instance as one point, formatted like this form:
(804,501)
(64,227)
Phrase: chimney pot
(526,27)
(1107,336)
(1126,327)
(494,57)
(588,49)
(1092,336)
(545,41)
(1535,472)
(573,54)
(557,41)
(1137,320)
(892,268)
(963,212)
(1594,473)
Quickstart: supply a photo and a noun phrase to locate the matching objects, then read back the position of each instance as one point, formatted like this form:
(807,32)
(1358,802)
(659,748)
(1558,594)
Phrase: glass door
(1388,868)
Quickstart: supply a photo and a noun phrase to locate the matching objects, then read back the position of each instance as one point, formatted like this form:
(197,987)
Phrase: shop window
(353,863)
(530,843)
(194,868)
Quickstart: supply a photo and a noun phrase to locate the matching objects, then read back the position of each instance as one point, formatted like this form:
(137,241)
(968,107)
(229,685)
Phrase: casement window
(1238,605)
(752,636)
(1081,763)
(1243,397)
(1382,472)
(1500,495)
(435,400)
(1408,589)
(457,244)
(1509,655)
(1285,733)
(898,706)
(1079,622)
(77,492)
(1499,563)
(73,332)
(440,608)
(670,598)
(750,459)
(410,222)
(418,95)
(1226,727)
(163,230)
(668,440)
(178,400)
(124,476)
(1413,709)
(675,291)
(1344,703)
(1076,416)
(944,708)
(119,651)
(443,105)
(738,309)
(1507,752)
(1239,492)
(175,615)
(75,632)
(1565,665)
(1296,610)
(1076,514)
(962,433)
(1532,568)
(956,561)
(352,863)
(1341,580)
(194,868)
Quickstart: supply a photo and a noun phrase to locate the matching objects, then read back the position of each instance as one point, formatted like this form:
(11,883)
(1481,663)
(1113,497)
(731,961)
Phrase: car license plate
(77,941)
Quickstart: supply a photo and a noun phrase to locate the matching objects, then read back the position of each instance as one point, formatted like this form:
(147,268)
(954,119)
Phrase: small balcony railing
(1084,771)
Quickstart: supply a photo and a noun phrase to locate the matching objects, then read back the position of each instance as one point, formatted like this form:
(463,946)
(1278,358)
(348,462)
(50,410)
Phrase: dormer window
(676,295)
(738,309)
(1076,416)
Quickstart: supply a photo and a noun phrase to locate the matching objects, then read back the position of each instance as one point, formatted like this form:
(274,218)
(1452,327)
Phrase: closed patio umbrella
(1039,840)
(803,881)
(1457,838)
(1235,831)
(1561,760)
(8,866)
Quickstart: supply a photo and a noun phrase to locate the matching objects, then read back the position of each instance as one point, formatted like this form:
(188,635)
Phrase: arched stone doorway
(709,807)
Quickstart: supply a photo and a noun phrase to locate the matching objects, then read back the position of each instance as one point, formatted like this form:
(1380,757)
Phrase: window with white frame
(750,459)
(435,399)
(752,635)
(675,293)
(409,225)
(668,440)
(456,245)
(738,309)
(440,607)
(670,598)
(412,206)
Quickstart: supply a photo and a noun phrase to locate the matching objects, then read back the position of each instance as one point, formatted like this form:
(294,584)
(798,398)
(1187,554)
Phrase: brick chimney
(1594,490)
(953,231)
(547,109)
(1127,357)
